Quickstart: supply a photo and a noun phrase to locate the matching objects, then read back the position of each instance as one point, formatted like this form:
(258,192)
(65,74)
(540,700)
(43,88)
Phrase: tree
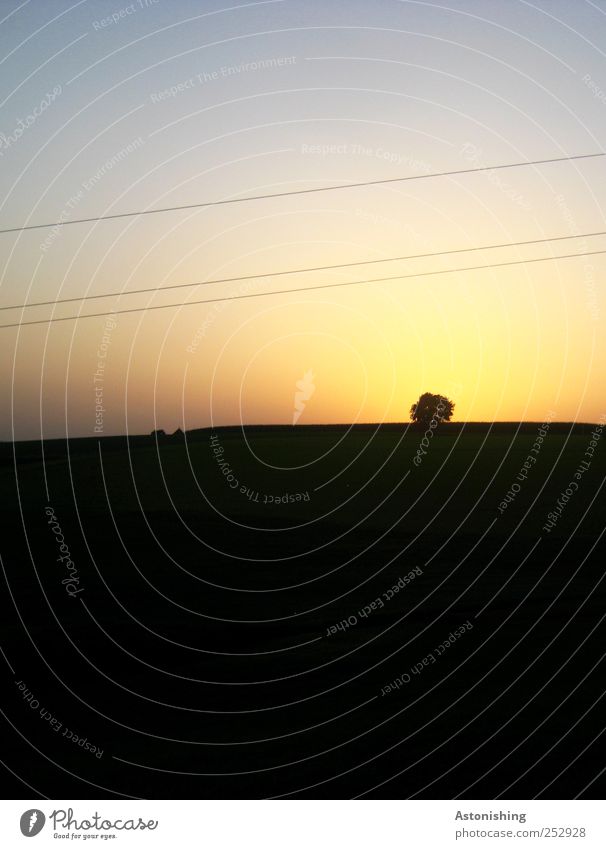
(432,408)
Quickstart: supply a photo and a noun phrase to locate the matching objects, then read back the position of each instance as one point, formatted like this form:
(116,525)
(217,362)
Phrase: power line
(300,289)
(283,272)
(297,192)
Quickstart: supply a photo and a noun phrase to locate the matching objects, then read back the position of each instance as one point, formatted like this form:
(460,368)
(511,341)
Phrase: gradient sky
(370,90)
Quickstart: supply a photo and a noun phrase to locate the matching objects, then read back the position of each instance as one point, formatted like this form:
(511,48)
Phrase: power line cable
(299,289)
(283,272)
(296,192)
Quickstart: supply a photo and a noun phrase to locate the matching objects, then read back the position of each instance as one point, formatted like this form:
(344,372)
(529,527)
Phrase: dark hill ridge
(446,429)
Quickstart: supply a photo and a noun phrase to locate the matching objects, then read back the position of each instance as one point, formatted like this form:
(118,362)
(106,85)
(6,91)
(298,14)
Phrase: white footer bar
(305,824)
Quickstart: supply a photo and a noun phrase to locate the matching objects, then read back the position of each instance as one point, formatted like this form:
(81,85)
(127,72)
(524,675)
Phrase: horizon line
(293,428)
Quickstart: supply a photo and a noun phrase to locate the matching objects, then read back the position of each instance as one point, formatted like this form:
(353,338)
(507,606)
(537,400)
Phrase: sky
(107,107)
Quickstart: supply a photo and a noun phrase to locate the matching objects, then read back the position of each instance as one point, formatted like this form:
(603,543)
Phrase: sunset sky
(333,93)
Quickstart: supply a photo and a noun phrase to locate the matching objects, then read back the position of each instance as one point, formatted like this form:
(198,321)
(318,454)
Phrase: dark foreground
(317,617)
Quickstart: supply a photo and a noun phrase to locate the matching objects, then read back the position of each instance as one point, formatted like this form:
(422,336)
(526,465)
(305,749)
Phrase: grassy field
(211,647)
(337,475)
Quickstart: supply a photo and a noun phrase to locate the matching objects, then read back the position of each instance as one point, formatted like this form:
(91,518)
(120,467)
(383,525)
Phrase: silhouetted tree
(430,408)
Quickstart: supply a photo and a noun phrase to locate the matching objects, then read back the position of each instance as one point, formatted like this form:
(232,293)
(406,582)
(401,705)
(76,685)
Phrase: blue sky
(173,103)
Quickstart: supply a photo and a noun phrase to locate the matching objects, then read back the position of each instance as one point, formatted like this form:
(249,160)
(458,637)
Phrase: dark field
(197,644)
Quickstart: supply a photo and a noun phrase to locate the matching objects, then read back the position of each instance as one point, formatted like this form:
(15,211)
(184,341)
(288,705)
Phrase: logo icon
(306,388)
(32,822)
